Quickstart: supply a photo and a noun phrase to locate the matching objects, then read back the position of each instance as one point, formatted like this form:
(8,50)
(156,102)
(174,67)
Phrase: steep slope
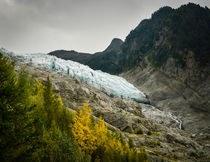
(172,95)
(167,57)
(170,33)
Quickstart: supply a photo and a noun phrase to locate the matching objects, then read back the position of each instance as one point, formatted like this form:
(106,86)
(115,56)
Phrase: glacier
(110,84)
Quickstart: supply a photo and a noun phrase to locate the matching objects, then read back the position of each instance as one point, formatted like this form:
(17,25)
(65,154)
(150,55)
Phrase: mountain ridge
(169,33)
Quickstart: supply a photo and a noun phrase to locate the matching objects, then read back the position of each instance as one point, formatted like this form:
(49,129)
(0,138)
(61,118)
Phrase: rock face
(115,45)
(182,34)
(167,57)
(172,95)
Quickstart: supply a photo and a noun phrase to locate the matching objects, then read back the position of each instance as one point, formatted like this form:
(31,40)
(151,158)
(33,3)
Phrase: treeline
(35,126)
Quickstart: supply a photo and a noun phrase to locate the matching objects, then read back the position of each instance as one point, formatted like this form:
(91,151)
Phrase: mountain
(163,106)
(167,57)
(178,34)
(115,45)
(170,33)
(107,60)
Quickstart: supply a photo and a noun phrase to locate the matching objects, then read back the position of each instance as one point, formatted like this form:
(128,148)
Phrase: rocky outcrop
(115,45)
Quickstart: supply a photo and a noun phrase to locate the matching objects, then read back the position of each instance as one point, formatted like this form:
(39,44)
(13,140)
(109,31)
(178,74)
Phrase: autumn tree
(94,138)
(83,130)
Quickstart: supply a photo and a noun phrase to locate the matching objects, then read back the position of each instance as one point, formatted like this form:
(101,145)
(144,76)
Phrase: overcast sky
(82,25)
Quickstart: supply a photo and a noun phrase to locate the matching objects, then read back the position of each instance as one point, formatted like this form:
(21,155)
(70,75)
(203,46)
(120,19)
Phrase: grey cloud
(84,25)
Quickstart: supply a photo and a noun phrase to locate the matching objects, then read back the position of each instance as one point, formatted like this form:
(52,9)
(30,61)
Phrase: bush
(131,143)
(139,131)
(149,133)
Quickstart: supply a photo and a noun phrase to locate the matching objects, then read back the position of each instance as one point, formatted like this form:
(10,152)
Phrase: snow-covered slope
(109,84)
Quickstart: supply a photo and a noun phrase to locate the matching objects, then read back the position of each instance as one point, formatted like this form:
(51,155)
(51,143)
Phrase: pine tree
(8,88)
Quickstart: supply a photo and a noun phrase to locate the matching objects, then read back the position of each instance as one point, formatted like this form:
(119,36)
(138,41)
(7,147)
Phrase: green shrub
(149,133)
(139,131)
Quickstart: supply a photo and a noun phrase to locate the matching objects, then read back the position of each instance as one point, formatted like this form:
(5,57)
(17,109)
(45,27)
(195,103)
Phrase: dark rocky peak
(162,12)
(115,45)
(190,6)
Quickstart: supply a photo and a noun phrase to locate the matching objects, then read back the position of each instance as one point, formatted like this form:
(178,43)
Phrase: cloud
(84,25)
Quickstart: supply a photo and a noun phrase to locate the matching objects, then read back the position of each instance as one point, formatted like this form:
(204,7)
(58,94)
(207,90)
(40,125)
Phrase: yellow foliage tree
(96,140)
(83,131)
(38,98)
(60,101)
(100,131)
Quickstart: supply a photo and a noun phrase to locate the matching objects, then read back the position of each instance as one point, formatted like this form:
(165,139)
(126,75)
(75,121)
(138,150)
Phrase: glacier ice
(110,84)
